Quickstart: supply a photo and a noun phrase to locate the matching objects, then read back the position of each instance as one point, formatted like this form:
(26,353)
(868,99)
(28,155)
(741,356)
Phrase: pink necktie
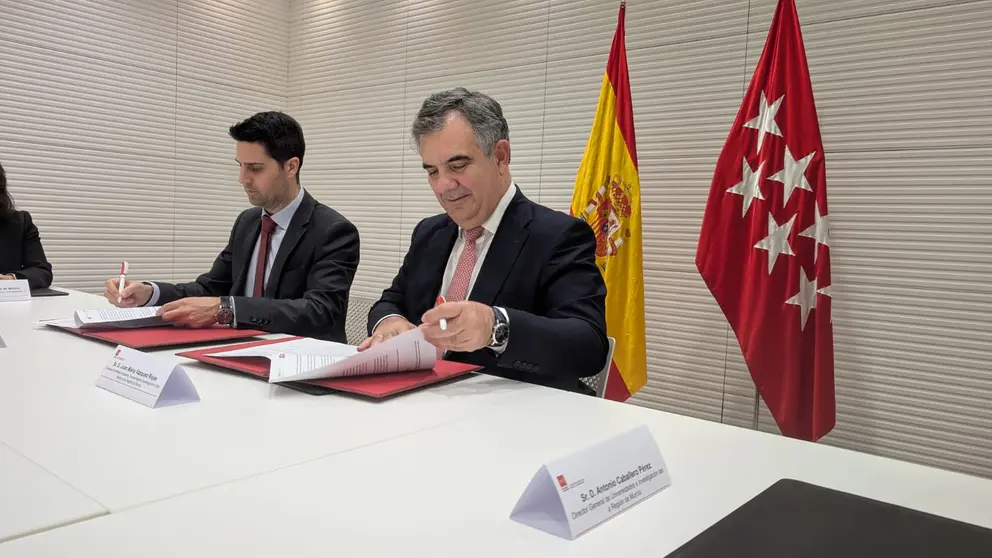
(458,289)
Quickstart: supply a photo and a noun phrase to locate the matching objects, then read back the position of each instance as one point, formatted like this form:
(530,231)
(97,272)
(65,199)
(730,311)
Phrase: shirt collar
(284,216)
(492,223)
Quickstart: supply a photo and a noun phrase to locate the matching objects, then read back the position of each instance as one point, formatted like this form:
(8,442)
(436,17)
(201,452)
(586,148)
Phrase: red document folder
(149,337)
(372,385)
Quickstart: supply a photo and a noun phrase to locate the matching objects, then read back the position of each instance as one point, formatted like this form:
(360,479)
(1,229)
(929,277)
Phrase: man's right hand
(390,327)
(135,293)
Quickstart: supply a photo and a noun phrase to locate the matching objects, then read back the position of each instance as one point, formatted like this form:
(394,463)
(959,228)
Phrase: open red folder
(149,337)
(372,385)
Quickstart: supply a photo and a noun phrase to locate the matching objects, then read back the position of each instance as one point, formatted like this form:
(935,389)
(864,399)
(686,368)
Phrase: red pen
(444,322)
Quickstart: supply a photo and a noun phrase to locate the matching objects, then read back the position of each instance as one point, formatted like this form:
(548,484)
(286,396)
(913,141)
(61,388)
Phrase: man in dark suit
(290,261)
(523,295)
(21,253)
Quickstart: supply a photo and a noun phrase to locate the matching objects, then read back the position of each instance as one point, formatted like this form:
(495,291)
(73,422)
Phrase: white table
(448,491)
(123,454)
(261,470)
(32,499)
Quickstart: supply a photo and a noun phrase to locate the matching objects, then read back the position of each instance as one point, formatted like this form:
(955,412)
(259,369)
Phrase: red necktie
(458,289)
(268,225)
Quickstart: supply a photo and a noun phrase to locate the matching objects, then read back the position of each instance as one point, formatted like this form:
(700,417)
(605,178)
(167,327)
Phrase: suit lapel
(510,237)
(297,228)
(241,259)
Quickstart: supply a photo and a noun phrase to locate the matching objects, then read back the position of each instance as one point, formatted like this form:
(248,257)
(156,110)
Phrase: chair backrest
(598,382)
(356,323)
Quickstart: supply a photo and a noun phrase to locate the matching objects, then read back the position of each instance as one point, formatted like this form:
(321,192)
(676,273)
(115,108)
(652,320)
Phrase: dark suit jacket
(21,252)
(541,268)
(308,286)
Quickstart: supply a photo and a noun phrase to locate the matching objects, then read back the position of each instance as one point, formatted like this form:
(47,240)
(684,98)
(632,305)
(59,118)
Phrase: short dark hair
(483,113)
(6,202)
(280,133)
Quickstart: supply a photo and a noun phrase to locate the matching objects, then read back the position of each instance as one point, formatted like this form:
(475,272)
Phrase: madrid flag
(607,195)
(764,247)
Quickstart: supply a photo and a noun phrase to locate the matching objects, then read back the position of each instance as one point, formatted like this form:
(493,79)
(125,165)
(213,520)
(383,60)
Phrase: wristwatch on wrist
(501,330)
(226,314)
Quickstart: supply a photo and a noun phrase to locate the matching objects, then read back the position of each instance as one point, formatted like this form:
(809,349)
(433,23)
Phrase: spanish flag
(607,195)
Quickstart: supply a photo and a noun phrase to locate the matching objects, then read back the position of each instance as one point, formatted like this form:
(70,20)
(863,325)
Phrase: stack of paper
(312,359)
(112,318)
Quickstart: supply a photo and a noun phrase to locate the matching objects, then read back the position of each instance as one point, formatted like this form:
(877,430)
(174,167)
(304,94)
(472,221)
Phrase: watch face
(501,333)
(225,317)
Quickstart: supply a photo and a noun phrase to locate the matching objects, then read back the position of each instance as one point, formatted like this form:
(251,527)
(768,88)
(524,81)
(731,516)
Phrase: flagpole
(757,403)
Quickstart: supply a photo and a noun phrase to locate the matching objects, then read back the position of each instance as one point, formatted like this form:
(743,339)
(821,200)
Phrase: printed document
(118,318)
(312,359)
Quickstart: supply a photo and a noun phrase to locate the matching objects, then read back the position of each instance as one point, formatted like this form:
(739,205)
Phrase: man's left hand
(198,311)
(469,326)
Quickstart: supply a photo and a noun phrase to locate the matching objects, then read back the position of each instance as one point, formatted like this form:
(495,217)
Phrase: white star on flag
(819,231)
(748,186)
(765,121)
(793,174)
(777,241)
(825,291)
(805,299)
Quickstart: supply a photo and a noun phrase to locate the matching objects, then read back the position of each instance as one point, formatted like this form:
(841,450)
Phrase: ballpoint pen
(120,286)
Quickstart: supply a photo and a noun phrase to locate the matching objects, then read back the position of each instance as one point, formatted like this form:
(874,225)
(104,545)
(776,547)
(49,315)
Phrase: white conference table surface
(32,499)
(122,454)
(448,491)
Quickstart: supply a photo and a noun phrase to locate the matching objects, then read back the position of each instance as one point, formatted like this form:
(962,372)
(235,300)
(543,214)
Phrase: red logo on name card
(561,481)
(118,353)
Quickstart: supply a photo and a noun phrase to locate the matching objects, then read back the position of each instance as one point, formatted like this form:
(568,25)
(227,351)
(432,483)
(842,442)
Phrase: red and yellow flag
(607,195)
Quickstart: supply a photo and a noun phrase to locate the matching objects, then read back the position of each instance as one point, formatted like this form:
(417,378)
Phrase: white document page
(289,366)
(114,318)
(405,352)
(312,359)
(304,346)
(295,357)
(61,322)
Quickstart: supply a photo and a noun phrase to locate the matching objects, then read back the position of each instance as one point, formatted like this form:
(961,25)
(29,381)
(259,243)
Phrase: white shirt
(481,244)
(282,218)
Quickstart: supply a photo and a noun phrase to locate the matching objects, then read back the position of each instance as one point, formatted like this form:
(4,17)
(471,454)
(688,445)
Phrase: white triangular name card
(571,495)
(17,290)
(152,380)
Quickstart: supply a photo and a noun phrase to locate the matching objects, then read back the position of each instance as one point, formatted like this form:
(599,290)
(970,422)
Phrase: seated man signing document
(290,261)
(522,294)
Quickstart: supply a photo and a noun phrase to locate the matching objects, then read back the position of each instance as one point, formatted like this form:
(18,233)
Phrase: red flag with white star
(764,249)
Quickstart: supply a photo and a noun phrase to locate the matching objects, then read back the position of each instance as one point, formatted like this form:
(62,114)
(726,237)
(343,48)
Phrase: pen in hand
(120,287)
(444,322)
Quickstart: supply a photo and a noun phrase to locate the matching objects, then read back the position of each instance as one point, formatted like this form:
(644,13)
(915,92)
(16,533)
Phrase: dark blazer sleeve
(569,336)
(325,300)
(393,299)
(217,282)
(34,265)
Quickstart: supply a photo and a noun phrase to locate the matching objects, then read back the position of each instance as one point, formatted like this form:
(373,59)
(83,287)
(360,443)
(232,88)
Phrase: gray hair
(482,112)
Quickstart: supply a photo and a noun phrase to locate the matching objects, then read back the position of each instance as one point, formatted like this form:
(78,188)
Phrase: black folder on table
(47,292)
(798,520)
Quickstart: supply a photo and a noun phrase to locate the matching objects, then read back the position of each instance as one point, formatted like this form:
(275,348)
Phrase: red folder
(372,385)
(148,337)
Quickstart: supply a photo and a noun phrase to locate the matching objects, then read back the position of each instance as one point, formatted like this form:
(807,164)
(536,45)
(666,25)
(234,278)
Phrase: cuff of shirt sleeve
(156,293)
(382,319)
(499,350)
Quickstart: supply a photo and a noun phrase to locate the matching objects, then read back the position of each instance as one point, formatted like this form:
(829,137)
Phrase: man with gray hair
(497,280)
